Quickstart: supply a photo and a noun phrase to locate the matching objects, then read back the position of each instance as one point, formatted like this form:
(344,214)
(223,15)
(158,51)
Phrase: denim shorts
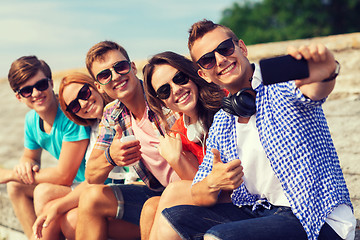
(131,198)
(227,221)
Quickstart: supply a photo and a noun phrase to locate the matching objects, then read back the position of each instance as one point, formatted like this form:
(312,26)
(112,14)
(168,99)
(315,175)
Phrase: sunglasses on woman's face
(164,91)
(84,94)
(105,76)
(40,85)
(225,48)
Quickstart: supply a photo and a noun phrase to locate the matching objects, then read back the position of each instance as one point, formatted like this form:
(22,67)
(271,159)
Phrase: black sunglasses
(163,91)
(105,76)
(84,94)
(225,48)
(40,85)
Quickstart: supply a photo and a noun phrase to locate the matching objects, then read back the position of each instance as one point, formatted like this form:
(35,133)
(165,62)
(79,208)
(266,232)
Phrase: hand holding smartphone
(128,139)
(283,69)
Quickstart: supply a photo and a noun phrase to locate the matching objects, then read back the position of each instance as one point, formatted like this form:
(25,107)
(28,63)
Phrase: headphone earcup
(242,104)
(227,106)
(194,132)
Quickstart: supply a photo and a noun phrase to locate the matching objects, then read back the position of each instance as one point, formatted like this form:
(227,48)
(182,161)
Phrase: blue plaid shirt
(296,139)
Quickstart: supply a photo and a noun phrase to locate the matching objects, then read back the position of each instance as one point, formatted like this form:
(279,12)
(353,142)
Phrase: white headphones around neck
(195,132)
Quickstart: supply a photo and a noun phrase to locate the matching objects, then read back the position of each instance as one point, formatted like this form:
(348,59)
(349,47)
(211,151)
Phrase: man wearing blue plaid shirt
(279,164)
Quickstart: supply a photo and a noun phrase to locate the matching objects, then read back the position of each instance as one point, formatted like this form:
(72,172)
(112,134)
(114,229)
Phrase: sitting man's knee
(14,189)
(149,207)
(68,224)
(92,196)
(152,203)
(42,196)
(42,190)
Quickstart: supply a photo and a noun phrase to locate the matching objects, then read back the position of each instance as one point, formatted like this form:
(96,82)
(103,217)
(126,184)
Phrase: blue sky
(62,31)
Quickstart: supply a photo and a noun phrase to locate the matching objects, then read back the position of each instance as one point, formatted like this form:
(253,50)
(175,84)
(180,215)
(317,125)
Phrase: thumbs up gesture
(225,176)
(118,133)
(124,153)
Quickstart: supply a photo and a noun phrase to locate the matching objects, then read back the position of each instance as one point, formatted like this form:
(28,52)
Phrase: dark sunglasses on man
(105,76)
(225,48)
(83,94)
(40,85)
(163,91)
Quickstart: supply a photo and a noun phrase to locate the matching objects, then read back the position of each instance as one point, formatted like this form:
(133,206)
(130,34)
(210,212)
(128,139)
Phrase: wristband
(334,74)
(108,157)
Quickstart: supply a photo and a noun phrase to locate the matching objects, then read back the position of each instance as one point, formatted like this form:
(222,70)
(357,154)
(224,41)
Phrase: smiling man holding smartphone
(278,159)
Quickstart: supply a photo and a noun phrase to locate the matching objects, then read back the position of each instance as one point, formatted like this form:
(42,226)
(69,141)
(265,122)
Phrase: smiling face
(183,98)
(40,101)
(92,108)
(121,87)
(233,71)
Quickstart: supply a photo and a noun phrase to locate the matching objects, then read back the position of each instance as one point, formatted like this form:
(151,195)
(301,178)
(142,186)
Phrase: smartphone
(127,138)
(283,69)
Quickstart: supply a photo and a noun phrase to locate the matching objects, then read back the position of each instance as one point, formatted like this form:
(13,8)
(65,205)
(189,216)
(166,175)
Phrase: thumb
(216,158)
(37,227)
(177,136)
(119,132)
(47,222)
(35,168)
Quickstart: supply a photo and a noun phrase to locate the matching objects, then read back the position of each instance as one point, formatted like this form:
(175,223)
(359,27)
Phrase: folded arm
(71,156)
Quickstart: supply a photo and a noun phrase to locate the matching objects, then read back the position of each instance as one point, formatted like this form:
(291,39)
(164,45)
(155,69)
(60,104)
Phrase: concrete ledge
(10,228)
(7,215)
(10,234)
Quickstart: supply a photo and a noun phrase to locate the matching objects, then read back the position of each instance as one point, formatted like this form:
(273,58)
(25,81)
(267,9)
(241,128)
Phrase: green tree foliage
(279,20)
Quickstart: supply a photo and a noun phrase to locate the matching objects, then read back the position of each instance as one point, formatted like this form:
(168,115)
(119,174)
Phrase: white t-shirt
(93,136)
(259,178)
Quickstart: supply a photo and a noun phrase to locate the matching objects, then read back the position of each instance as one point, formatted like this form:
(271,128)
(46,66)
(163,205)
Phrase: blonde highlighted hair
(80,78)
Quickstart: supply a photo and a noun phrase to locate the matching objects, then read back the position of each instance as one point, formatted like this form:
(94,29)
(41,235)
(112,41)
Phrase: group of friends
(161,158)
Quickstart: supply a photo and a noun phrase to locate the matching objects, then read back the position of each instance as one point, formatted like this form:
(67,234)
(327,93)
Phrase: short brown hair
(24,68)
(98,51)
(200,28)
(81,78)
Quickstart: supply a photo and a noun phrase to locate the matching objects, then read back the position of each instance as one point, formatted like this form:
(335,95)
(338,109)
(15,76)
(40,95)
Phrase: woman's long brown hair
(210,94)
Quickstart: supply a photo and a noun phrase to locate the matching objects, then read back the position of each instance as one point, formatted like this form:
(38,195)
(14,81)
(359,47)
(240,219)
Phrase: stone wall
(8,221)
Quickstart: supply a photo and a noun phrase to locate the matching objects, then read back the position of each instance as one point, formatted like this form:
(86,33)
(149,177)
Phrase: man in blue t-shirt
(46,127)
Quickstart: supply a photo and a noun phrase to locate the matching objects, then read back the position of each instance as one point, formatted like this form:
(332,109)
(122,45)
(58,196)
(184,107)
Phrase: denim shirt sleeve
(293,94)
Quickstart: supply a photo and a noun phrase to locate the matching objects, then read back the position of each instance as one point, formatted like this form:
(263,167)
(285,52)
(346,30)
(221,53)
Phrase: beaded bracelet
(108,157)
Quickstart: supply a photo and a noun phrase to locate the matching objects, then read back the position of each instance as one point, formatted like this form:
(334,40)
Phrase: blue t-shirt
(63,130)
